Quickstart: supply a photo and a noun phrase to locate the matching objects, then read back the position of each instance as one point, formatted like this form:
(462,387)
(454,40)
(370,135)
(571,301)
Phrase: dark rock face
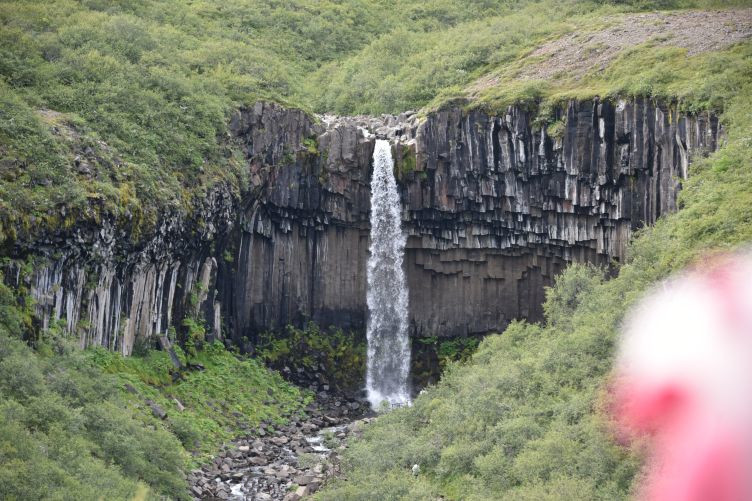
(494,208)
(497,207)
(113,293)
(302,241)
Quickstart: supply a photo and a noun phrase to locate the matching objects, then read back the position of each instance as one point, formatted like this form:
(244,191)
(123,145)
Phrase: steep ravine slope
(494,206)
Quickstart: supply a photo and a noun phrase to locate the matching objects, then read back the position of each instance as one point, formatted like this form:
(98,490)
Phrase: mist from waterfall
(388,343)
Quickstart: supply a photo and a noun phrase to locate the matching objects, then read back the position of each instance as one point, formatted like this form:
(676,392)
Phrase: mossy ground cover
(699,83)
(75,423)
(339,356)
(524,418)
(227,396)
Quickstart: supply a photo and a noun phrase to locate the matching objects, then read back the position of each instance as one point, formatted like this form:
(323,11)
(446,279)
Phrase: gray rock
(156,410)
(303,479)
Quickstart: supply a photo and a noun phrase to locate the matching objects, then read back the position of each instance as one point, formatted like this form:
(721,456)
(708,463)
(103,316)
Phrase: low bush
(67,432)
(337,355)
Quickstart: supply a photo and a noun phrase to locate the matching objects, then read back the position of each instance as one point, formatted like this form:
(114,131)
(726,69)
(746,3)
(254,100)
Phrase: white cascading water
(388,343)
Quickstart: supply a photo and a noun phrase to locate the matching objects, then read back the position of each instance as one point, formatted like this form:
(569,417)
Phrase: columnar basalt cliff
(96,283)
(498,206)
(495,206)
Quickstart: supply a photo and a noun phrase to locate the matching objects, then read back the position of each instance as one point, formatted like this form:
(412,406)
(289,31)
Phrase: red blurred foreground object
(684,379)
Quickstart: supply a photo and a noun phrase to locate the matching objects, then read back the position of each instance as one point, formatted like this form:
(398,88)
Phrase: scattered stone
(156,410)
(280,440)
(266,467)
(303,479)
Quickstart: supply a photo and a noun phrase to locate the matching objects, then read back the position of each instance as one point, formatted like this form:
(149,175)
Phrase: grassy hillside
(115,108)
(523,419)
(120,108)
(77,425)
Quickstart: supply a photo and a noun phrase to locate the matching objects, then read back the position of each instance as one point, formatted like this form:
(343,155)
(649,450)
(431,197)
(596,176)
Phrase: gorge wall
(494,206)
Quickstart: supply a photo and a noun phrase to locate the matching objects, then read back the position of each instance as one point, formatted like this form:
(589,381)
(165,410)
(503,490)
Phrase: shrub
(70,429)
(339,355)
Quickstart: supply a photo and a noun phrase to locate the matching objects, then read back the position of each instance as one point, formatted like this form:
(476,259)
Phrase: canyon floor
(288,463)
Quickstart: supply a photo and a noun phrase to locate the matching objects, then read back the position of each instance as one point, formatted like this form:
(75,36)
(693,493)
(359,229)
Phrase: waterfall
(388,344)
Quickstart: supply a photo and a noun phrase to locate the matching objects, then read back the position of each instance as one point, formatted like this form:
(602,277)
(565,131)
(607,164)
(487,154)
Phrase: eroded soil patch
(577,53)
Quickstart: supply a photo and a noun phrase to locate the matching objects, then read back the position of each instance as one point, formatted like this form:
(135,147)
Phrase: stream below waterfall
(287,463)
(294,461)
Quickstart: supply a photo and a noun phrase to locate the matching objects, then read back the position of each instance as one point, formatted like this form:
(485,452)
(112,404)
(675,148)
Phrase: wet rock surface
(286,463)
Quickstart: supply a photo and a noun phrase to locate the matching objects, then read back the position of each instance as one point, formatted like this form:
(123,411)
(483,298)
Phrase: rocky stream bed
(286,463)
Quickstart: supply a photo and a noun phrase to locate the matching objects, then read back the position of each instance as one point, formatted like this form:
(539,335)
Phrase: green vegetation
(141,92)
(453,350)
(339,355)
(431,355)
(76,424)
(405,163)
(119,110)
(524,419)
(420,64)
(228,396)
(698,83)
(67,433)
